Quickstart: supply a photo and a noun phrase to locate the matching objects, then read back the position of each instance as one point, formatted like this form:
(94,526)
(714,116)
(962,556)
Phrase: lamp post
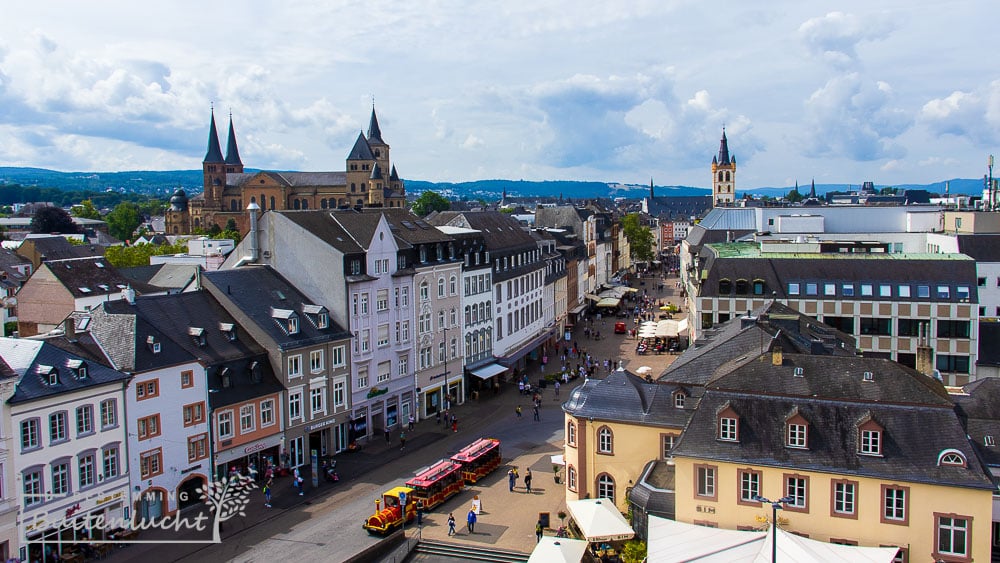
(775,505)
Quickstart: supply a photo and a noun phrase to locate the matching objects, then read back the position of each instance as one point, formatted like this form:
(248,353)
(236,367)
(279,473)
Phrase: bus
(478,459)
(435,484)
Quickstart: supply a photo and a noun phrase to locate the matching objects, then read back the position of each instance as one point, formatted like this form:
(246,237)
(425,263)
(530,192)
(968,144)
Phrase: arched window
(353,187)
(742,287)
(232,206)
(727,176)
(322,204)
(425,293)
(454,317)
(441,323)
(605,441)
(571,478)
(468,315)
(571,433)
(441,288)
(453,285)
(272,202)
(720,175)
(297,204)
(951,457)
(263,203)
(725,286)
(305,204)
(489,309)
(606,487)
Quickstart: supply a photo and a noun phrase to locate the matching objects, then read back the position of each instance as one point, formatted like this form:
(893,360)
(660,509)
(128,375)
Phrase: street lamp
(775,505)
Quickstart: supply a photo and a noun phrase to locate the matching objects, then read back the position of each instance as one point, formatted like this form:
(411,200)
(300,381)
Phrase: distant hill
(166,182)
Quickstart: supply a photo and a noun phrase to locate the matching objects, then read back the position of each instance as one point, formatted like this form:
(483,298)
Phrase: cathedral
(227,190)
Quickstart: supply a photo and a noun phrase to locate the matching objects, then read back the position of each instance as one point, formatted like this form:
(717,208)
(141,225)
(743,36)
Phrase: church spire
(812,189)
(724,150)
(232,151)
(374,133)
(214,153)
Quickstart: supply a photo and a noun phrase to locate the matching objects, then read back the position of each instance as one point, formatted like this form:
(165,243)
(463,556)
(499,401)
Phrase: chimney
(128,294)
(776,358)
(69,326)
(253,208)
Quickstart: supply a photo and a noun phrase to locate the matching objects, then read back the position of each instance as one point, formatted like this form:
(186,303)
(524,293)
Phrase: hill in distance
(163,183)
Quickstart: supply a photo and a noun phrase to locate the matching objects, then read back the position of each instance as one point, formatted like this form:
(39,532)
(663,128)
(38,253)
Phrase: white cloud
(974,114)
(834,37)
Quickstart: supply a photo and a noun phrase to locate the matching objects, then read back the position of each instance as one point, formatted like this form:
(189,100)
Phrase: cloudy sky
(891,91)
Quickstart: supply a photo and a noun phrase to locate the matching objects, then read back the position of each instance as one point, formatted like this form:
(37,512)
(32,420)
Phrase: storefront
(73,523)
(359,425)
(260,453)
(321,436)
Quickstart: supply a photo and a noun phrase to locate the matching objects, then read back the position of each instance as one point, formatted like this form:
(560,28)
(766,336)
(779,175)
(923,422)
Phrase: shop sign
(375,392)
(319,425)
(110,498)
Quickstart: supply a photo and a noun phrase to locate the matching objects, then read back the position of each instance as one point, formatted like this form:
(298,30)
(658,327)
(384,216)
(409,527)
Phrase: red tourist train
(434,485)
(478,459)
(437,483)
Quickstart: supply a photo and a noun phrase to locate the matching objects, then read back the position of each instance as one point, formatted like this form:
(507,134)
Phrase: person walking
(511,479)
(470,521)
(527,480)
(557,388)
(517,411)
(454,423)
(402,440)
(537,418)
(297,480)
(267,494)
(451,524)
(388,437)
(538,531)
(410,423)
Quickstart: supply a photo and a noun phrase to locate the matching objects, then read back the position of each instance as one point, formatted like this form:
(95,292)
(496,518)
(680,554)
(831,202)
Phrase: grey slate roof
(834,400)
(32,361)
(96,275)
(361,150)
(500,231)
(982,247)
(374,132)
(322,225)
(214,152)
(979,407)
(681,207)
(730,218)
(623,397)
(257,290)
(989,344)
(232,150)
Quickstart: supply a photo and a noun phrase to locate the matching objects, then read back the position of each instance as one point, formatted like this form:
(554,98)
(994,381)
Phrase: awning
(609,302)
(558,550)
(578,308)
(591,296)
(599,520)
(559,459)
(526,348)
(488,371)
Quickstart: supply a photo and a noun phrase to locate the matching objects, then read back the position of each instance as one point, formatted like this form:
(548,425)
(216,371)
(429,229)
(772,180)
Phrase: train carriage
(478,459)
(435,484)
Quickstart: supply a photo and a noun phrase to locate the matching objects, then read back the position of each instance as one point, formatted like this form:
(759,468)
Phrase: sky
(889,91)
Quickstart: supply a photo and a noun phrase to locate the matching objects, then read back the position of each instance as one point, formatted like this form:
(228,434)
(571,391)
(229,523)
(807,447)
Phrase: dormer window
(725,286)
(322,320)
(679,399)
(318,315)
(952,458)
(255,372)
(198,335)
(293,325)
(988,441)
(49,374)
(154,345)
(229,330)
(287,319)
(728,425)
(226,377)
(870,437)
(796,431)
(78,367)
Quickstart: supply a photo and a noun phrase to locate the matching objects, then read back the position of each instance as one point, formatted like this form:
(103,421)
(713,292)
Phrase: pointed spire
(724,149)
(214,153)
(796,186)
(361,150)
(812,189)
(393,177)
(374,133)
(232,151)
(650,187)
(376,172)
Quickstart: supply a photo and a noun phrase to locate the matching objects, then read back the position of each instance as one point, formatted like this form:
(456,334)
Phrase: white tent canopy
(558,550)
(599,520)
(676,542)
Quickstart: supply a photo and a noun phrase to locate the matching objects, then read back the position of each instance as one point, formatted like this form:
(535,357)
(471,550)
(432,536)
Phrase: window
(903,291)
(405,296)
(924,291)
(317,401)
(197,447)
(87,470)
(57,427)
(571,434)
(248,418)
(667,443)
(365,340)
(194,413)
(187,379)
(605,441)
(383,335)
(867,290)
(952,329)
(225,429)
(149,427)
(147,390)
(957,364)
(362,377)
(908,327)
(295,366)
(793,289)
(339,393)
(382,300)
(812,289)
(441,291)
(884,290)
(894,501)
(60,479)
(679,400)
(571,478)
(453,285)
(728,429)
(749,484)
(952,535)
(797,490)
(705,481)
(871,442)
(294,405)
(844,499)
(606,487)
(110,462)
(316,361)
(829,289)
(151,463)
(29,434)
(951,457)
(943,292)
(797,434)
(876,326)
(32,488)
(267,412)
(364,303)
(403,365)
(981,282)
(425,294)
(847,289)
(337,357)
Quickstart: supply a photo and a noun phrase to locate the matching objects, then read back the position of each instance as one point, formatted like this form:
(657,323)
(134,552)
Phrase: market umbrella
(667,308)
(643,370)
(599,520)
(558,550)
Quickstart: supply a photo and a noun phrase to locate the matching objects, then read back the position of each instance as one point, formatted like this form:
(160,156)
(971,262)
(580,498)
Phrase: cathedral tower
(213,169)
(723,175)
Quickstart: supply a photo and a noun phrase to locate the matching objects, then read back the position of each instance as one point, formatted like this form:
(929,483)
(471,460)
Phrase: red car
(620,328)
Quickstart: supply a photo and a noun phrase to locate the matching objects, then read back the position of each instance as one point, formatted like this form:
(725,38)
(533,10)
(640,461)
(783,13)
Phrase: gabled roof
(408,227)
(323,226)
(501,232)
(979,407)
(623,397)
(255,290)
(87,277)
(290,179)
(55,247)
(33,360)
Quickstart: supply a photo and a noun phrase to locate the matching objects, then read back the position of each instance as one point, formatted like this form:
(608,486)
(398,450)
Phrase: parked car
(620,328)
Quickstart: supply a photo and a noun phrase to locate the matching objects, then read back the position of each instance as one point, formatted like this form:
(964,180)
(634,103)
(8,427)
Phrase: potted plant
(555,472)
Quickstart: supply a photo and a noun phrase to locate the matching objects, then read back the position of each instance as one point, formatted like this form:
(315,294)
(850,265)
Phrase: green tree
(640,238)
(123,220)
(52,220)
(86,210)
(430,201)
(138,255)
(634,551)
(793,196)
